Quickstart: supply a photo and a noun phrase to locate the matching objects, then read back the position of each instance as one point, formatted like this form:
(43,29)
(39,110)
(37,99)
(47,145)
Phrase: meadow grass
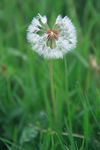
(26,117)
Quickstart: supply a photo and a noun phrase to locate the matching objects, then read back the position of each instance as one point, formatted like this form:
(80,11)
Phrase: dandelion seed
(55,42)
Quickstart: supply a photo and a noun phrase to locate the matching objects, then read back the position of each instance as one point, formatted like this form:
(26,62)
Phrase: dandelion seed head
(55,42)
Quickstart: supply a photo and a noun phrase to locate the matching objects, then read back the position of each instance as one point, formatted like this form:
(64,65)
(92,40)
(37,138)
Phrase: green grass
(26,117)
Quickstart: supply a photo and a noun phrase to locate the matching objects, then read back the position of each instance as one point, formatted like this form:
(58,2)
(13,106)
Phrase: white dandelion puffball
(55,42)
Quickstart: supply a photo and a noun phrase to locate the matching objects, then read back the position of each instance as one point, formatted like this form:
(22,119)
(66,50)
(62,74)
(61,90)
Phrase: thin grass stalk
(52,90)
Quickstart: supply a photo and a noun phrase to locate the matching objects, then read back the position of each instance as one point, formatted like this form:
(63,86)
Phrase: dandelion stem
(52,90)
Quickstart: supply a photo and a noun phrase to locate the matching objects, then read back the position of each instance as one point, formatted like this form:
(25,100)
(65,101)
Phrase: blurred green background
(26,118)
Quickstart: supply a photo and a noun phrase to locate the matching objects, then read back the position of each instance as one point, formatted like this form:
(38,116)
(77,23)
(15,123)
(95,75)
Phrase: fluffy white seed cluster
(65,42)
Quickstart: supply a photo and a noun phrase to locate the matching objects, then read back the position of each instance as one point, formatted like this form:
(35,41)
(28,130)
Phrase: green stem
(67,92)
(52,91)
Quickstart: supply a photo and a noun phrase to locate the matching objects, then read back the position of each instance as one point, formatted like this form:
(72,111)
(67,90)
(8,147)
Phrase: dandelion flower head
(52,43)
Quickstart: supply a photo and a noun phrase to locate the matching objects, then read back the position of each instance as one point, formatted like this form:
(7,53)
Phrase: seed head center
(52,34)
